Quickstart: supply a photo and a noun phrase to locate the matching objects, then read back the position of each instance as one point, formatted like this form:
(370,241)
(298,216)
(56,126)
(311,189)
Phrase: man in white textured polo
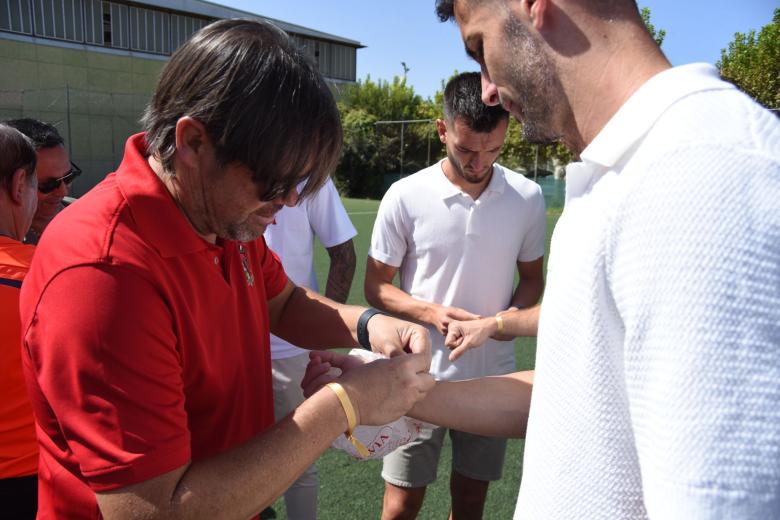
(458,231)
(656,391)
(292,238)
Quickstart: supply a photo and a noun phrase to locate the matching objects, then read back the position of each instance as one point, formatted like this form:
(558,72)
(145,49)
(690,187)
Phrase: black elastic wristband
(362,326)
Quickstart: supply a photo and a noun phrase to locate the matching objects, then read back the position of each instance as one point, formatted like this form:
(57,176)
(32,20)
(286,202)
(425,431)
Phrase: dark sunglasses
(49,185)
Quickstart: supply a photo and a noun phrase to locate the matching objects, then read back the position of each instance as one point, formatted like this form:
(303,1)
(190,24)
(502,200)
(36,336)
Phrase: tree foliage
(657,34)
(752,62)
(372,147)
(372,155)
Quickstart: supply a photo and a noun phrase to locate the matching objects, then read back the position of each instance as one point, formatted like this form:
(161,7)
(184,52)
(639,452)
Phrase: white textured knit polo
(457,251)
(657,388)
(292,238)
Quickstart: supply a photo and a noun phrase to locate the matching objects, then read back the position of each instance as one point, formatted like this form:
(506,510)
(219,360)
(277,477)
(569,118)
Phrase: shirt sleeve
(533,244)
(328,218)
(104,355)
(388,239)
(696,279)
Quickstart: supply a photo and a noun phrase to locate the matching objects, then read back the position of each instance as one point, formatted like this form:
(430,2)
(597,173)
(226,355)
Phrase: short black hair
(463,100)
(261,100)
(445,10)
(16,151)
(42,135)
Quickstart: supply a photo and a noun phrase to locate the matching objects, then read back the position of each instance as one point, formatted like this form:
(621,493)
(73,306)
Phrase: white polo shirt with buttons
(457,251)
(657,386)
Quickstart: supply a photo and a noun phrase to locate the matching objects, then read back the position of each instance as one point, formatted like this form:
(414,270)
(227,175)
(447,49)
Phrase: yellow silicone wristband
(500,324)
(349,410)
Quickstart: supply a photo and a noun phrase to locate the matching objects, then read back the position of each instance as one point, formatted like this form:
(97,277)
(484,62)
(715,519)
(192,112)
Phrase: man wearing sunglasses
(55,172)
(148,308)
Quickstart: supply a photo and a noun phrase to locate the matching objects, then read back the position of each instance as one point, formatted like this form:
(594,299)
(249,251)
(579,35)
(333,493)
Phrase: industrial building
(89,66)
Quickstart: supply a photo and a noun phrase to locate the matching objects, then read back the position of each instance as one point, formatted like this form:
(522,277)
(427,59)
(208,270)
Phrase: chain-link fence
(95,125)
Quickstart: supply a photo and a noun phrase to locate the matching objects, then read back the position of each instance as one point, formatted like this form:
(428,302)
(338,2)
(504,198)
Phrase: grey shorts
(473,456)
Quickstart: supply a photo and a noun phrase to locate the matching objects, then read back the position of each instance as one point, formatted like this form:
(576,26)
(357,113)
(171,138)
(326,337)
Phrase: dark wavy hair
(42,135)
(262,101)
(463,100)
(16,151)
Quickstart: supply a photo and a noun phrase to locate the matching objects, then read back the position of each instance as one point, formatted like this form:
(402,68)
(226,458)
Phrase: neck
(617,70)
(173,185)
(473,190)
(9,225)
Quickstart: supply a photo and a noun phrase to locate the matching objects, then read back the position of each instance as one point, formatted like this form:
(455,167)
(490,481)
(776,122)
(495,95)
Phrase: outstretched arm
(494,406)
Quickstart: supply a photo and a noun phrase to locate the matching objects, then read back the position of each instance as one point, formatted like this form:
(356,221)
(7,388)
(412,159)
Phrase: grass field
(353,490)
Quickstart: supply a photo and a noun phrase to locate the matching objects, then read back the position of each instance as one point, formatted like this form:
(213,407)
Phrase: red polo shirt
(146,346)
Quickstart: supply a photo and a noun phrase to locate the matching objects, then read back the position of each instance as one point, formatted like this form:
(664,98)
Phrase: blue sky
(408,31)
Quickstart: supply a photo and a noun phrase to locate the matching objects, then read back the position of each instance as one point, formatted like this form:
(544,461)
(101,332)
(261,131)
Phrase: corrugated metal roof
(213,10)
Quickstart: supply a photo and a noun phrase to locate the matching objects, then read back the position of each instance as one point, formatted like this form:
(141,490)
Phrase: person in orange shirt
(18,446)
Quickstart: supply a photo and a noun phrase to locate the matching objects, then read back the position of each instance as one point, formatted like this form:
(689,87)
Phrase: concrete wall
(94,98)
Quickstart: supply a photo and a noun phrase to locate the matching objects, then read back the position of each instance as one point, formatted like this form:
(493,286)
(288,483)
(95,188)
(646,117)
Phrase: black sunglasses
(49,185)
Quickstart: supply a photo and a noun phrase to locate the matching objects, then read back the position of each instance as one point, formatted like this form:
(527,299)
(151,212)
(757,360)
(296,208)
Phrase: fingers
(459,314)
(454,337)
(313,377)
(459,351)
(420,342)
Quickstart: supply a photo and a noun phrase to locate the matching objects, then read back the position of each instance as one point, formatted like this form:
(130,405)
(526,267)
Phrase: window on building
(60,19)
(183,27)
(150,30)
(16,16)
(93,22)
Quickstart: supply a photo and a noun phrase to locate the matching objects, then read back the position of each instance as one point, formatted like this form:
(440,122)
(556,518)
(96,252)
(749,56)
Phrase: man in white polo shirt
(656,390)
(321,215)
(458,232)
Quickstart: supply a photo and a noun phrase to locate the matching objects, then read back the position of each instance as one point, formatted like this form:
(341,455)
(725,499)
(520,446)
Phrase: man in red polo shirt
(145,305)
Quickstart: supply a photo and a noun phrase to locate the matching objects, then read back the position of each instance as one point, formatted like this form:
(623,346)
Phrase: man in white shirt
(292,238)
(656,392)
(458,232)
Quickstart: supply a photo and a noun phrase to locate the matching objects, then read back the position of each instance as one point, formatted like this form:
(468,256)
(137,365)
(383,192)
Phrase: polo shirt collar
(635,118)
(159,219)
(497,183)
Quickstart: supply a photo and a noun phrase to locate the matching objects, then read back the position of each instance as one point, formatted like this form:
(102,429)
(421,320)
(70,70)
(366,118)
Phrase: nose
(61,191)
(476,162)
(489,91)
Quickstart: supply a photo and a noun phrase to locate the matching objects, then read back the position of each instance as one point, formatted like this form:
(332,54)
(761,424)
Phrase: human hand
(465,335)
(440,316)
(391,337)
(381,391)
(327,366)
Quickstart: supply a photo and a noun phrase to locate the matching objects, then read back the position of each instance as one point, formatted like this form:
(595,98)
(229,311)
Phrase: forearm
(241,482)
(495,406)
(517,323)
(310,320)
(389,298)
(528,293)
(341,271)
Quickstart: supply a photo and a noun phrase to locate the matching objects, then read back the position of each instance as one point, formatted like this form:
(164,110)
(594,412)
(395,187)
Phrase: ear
(535,11)
(441,128)
(19,183)
(192,140)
